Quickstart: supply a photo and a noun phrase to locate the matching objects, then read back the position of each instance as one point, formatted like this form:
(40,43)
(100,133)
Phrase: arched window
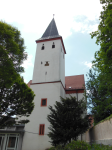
(43,47)
(53,46)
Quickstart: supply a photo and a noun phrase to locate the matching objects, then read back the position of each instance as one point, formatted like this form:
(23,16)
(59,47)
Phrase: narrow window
(12,141)
(41,129)
(44,102)
(47,63)
(53,46)
(43,47)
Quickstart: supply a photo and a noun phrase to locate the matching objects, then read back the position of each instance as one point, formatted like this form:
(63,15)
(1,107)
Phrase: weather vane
(53,15)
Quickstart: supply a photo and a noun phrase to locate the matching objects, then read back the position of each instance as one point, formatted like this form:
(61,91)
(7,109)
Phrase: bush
(81,145)
(101,147)
(74,145)
(59,147)
(78,145)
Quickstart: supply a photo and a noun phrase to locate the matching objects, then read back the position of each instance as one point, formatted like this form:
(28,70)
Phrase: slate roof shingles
(50,32)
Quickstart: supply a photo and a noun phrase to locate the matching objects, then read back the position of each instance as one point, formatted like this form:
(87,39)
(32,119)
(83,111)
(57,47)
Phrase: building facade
(48,83)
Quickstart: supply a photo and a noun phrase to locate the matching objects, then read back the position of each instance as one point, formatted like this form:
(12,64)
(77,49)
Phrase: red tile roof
(29,83)
(72,82)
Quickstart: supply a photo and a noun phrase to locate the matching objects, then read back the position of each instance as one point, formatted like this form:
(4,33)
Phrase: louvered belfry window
(41,129)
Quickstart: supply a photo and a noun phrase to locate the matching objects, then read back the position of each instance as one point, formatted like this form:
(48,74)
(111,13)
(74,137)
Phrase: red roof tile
(29,83)
(74,82)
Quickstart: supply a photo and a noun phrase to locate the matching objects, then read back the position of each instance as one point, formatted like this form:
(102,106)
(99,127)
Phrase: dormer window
(53,46)
(43,47)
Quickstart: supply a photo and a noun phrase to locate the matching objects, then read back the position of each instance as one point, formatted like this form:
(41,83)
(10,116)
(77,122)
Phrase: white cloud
(88,64)
(35,15)
(28,63)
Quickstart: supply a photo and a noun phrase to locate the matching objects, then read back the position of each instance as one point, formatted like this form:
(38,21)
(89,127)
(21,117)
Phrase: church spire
(51,30)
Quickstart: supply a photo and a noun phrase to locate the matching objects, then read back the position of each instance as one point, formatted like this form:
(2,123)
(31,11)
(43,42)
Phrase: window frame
(42,100)
(41,125)
(53,45)
(43,47)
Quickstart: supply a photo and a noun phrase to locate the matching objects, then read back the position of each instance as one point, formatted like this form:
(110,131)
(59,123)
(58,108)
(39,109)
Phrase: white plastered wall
(62,65)
(56,69)
(52,92)
(79,95)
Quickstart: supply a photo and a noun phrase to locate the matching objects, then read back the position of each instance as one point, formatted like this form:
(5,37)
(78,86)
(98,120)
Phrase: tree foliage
(103,57)
(99,84)
(16,98)
(99,100)
(12,54)
(67,120)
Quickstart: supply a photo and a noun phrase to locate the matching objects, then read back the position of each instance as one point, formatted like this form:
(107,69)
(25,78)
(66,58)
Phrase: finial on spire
(53,15)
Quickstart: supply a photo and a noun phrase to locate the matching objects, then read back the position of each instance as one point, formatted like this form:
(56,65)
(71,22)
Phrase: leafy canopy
(12,54)
(16,98)
(67,120)
(99,84)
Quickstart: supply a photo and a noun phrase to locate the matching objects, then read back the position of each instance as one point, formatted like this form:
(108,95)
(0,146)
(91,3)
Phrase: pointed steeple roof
(51,31)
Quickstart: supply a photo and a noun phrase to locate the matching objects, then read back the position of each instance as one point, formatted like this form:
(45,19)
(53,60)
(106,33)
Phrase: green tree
(103,57)
(99,101)
(99,85)
(67,120)
(12,54)
(16,98)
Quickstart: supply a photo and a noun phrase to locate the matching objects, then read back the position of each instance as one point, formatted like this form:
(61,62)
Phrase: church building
(48,83)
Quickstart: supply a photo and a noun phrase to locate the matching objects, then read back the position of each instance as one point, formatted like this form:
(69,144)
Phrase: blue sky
(75,20)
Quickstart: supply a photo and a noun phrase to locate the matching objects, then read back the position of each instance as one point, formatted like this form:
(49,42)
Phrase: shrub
(59,147)
(74,145)
(77,145)
(81,145)
(101,147)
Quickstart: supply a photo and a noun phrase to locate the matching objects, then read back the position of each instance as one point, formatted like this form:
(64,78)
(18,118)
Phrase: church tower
(48,84)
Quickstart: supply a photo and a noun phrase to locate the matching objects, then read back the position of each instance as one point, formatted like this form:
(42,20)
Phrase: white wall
(62,65)
(51,91)
(62,91)
(80,95)
(54,71)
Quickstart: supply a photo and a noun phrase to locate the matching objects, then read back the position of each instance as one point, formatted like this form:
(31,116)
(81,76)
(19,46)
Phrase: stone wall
(101,133)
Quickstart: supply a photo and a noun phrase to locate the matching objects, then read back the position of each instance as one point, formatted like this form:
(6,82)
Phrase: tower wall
(62,66)
(54,56)
(51,91)
(48,83)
